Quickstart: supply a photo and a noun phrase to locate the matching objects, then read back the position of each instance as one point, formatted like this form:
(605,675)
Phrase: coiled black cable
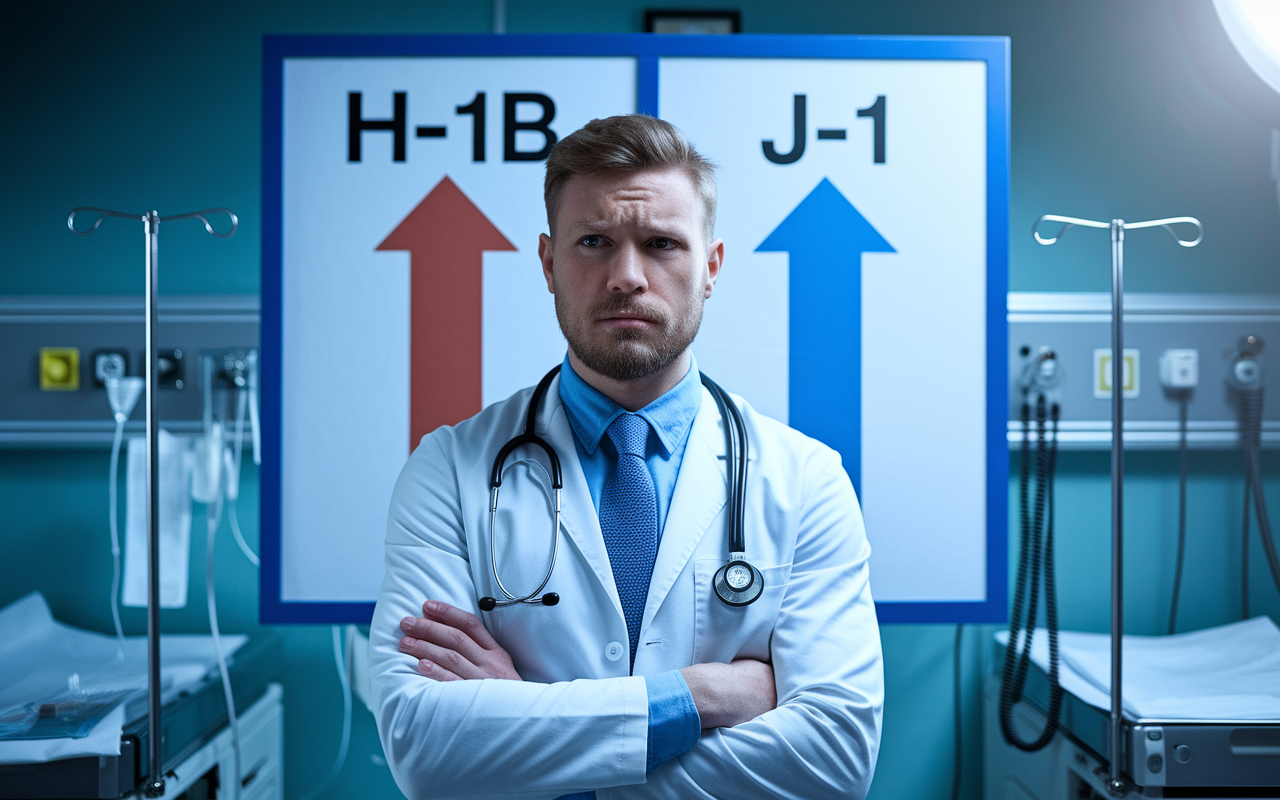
(1251,442)
(1182,514)
(1035,557)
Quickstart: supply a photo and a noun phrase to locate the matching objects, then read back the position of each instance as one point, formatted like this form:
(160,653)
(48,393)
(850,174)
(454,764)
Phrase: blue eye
(590,241)
(663,244)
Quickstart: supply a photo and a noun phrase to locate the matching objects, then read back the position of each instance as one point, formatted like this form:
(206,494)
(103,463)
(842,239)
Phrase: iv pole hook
(201,215)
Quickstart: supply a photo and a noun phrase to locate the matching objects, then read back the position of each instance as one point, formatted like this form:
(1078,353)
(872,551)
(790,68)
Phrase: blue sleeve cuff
(674,724)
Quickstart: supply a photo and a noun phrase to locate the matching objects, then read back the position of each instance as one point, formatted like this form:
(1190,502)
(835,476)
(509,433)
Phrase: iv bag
(175,521)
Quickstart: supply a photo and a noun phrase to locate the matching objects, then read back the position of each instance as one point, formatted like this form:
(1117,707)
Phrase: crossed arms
(454,645)
(466,725)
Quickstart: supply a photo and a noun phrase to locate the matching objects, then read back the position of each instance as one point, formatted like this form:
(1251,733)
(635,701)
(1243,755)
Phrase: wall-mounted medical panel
(1077,328)
(95,328)
(863,189)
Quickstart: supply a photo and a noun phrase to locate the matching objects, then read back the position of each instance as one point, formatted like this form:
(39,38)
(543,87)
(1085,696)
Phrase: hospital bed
(1201,717)
(109,758)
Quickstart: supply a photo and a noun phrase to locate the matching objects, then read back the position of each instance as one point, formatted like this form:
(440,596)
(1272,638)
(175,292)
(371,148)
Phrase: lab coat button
(613,651)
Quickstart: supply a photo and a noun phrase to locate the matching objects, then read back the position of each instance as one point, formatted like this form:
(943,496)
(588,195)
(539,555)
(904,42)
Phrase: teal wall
(151,105)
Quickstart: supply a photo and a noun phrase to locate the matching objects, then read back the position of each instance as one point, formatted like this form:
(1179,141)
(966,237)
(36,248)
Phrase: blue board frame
(647,49)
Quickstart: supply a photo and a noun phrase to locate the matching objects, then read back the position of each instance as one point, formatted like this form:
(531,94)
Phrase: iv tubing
(254,423)
(113,492)
(241,402)
(346,717)
(957,718)
(213,514)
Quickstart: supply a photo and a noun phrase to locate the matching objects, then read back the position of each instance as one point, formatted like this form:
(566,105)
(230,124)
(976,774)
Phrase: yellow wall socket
(59,369)
(1130,372)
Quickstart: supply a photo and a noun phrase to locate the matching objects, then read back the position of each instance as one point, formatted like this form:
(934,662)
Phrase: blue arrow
(826,237)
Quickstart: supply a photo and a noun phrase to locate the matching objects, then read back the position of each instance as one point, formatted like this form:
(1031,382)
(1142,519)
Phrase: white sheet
(38,654)
(1231,672)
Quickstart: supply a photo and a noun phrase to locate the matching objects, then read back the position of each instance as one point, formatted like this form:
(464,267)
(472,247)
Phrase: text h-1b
(397,125)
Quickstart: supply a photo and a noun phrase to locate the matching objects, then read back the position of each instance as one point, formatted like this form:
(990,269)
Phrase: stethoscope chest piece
(738,583)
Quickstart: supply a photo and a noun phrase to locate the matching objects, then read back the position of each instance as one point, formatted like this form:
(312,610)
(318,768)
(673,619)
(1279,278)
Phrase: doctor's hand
(452,645)
(730,694)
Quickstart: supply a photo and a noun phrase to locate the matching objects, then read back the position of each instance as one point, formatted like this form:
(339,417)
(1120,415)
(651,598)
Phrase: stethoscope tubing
(529,437)
(736,450)
(534,596)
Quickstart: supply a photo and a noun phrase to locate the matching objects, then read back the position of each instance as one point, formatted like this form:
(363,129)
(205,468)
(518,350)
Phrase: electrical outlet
(1130,372)
(1180,369)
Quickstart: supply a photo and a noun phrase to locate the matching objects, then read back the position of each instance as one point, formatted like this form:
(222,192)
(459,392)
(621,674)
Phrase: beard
(625,355)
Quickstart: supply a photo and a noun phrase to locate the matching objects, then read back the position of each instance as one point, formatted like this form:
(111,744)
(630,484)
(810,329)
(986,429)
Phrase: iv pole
(151,225)
(1115,780)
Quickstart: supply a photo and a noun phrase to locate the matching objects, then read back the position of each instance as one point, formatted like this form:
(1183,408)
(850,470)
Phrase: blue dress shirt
(674,724)
(670,419)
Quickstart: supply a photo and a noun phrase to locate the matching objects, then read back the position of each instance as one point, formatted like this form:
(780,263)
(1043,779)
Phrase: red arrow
(445,236)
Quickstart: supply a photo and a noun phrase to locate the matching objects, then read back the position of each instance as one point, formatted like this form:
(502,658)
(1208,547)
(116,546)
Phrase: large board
(864,208)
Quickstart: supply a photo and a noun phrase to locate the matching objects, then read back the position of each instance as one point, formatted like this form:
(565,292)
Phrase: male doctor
(641,682)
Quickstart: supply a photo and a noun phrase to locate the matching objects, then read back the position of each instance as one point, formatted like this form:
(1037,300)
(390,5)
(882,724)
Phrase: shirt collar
(670,416)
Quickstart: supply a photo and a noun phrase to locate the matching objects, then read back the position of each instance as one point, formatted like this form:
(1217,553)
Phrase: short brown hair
(628,143)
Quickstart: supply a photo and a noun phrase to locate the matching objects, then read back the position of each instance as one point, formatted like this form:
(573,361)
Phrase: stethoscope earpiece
(738,583)
(488,604)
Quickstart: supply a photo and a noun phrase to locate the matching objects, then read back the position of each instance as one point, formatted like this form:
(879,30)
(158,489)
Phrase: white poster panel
(919,227)
(347,312)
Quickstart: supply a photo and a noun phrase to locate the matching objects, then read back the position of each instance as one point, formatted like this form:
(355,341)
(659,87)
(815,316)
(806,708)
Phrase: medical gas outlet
(1245,371)
(109,364)
(1042,373)
(59,369)
(231,367)
(169,368)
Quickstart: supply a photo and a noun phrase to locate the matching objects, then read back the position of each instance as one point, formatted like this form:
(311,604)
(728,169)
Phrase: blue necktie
(629,521)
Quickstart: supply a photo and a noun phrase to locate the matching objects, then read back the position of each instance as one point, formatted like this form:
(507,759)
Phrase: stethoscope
(737,583)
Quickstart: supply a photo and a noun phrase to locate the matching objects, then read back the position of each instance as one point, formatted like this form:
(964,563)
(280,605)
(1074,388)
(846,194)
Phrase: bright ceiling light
(1254,28)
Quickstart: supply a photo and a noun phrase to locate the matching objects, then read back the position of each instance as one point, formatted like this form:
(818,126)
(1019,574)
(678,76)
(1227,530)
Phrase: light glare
(1264,16)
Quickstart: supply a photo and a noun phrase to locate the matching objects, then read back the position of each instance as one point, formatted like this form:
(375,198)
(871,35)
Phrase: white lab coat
(578,722)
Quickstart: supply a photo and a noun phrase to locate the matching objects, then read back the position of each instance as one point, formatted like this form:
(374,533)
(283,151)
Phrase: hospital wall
(149,105)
